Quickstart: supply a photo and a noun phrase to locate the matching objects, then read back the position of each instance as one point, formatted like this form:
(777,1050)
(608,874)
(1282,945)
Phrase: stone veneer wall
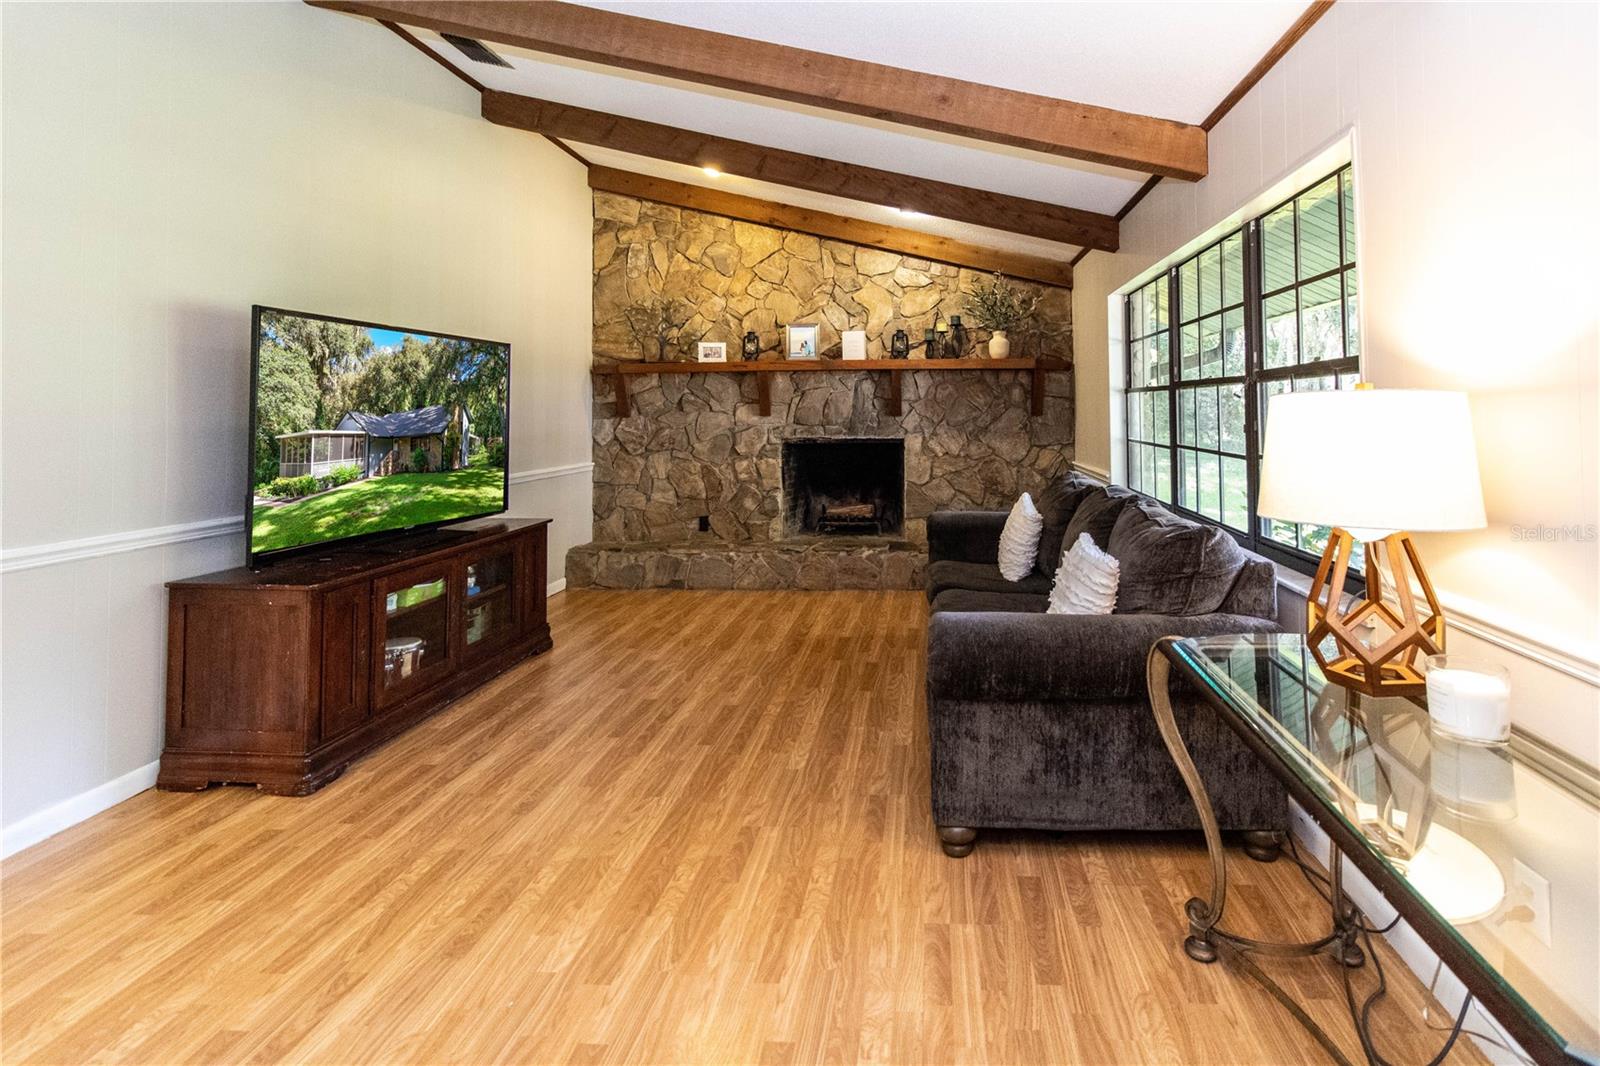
(697,446)
(738,276)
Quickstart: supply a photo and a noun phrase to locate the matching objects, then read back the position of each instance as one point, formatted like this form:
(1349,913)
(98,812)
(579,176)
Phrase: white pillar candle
(1470,700)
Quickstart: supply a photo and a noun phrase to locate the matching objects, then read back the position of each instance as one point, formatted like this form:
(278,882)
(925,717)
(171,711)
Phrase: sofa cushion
(1032,657)
(1255,590)
(1171,565)
(980,577)
(1057,504)
(968,536)
(1095,515)
(968,600)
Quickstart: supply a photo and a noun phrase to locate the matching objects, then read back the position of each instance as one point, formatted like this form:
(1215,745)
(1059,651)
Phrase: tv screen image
(359,429)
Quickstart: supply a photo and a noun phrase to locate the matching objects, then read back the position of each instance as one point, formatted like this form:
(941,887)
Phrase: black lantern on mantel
(899,345)
(752,345)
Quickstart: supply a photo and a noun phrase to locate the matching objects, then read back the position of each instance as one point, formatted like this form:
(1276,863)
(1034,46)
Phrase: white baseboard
(558,585)
(67,551)
(69,812)
(1418,957)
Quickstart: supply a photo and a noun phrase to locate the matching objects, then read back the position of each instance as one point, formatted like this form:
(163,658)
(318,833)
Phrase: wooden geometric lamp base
(1391,667)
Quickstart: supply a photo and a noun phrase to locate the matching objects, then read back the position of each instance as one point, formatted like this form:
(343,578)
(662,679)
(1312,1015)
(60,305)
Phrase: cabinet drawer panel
(244,670)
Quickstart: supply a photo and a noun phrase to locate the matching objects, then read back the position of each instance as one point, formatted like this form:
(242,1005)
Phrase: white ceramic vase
(999,346)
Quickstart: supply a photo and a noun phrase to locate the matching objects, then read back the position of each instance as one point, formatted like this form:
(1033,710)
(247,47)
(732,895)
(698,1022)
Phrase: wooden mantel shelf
(895,367)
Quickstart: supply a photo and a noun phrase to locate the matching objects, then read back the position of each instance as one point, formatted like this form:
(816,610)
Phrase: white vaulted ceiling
(1168,60)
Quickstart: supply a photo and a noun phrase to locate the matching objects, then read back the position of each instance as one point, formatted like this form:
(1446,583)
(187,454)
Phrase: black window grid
(1256,375)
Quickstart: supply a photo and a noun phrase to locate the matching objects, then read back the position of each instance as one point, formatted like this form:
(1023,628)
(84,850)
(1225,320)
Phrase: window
(1268,308)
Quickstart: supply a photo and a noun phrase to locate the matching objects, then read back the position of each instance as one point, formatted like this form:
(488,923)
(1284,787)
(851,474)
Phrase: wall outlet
(1534,891)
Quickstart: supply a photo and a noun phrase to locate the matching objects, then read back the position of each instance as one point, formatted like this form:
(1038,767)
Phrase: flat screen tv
(359,429)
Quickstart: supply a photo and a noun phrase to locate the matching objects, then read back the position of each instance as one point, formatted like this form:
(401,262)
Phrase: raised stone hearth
(706,562)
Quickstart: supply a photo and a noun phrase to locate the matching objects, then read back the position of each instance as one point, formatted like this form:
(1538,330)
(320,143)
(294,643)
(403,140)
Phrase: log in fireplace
(849,486)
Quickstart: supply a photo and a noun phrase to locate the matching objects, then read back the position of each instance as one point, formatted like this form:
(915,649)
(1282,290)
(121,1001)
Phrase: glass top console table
(1491,861)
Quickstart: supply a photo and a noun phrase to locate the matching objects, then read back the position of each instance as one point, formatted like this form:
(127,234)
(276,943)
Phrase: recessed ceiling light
(905,212)
(711,172)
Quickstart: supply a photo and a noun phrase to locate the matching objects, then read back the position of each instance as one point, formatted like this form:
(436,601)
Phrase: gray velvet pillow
(1096,515)
(1169,564)
(1057,504)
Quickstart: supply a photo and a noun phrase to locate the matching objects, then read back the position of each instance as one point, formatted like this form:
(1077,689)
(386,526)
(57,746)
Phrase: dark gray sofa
(1042,721)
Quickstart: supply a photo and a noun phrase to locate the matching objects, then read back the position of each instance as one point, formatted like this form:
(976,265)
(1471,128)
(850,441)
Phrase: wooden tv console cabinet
(280,677)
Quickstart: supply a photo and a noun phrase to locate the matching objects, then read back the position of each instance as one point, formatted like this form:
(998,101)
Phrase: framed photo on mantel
(712,352)
(801,341)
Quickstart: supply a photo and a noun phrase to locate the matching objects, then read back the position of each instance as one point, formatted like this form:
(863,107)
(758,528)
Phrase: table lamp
(1374,464)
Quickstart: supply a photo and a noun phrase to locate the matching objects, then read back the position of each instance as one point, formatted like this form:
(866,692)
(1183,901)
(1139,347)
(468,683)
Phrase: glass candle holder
(1476,781)
(1469,699)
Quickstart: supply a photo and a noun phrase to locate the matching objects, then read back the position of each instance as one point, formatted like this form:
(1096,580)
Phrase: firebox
(846,486)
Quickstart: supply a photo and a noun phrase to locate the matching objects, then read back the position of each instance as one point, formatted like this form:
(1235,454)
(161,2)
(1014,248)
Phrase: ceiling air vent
(475,50)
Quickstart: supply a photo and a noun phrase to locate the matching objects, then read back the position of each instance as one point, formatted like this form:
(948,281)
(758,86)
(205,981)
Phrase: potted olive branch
(999,306)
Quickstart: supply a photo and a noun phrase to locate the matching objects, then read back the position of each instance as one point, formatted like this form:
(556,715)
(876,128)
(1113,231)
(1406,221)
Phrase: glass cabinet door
(488,606)
(414,612)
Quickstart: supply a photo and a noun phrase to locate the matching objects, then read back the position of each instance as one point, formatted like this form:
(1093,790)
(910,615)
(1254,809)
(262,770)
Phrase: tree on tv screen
(312,371)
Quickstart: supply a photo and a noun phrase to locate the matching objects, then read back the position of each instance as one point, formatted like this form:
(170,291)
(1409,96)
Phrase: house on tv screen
(381,444)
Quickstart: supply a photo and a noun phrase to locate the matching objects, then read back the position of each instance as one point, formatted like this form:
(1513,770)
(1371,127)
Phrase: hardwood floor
(697,831)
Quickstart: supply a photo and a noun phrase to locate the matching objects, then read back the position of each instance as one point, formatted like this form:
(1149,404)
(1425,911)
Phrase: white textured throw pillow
(1086,580)
(1019,540)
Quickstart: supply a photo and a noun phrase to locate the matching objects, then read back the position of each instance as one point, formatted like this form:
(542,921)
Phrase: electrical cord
(1323,887)
(1321,883)
(1427,1019)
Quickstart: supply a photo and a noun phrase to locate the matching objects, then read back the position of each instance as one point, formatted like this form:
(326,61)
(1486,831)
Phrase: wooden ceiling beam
(979,207)
(834,227)
(873,90)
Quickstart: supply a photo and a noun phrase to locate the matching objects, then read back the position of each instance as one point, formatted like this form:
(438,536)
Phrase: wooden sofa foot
(957,842)
(1262,845)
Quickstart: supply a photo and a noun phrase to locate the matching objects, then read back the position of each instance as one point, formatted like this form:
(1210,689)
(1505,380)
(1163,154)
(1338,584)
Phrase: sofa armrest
(1048,658)
(965,536)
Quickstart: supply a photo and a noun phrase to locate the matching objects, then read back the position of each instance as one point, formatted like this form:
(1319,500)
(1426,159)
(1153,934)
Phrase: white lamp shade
(1371,459)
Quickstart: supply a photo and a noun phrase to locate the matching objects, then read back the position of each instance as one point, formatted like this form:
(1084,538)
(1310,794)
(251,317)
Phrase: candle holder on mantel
(960,338)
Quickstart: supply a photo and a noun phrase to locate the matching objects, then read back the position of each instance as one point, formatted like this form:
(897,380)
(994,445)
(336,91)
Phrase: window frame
(1256,377)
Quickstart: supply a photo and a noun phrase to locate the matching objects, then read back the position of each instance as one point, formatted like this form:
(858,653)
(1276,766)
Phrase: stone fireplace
(843,486)
(814,479)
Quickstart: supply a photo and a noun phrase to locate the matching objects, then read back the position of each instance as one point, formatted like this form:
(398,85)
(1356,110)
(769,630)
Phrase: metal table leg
(1206,940)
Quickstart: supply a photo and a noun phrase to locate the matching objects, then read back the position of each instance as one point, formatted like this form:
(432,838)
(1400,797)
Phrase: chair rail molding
(1470,618)
(34,556)
(522,477)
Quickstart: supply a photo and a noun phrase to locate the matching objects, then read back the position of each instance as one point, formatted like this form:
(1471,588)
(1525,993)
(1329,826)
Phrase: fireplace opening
(844,486)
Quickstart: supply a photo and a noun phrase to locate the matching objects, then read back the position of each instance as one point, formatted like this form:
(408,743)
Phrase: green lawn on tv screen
(377,504)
